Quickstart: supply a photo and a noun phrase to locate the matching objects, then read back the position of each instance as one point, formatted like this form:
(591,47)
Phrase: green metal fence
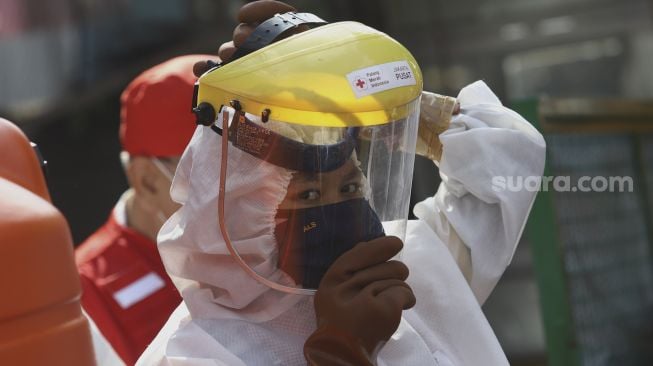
(592,249)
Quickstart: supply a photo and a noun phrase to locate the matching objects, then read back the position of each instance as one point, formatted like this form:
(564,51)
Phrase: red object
(155,116)
(115,264)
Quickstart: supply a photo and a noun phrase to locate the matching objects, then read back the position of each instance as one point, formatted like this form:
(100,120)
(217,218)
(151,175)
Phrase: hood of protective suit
(193,249)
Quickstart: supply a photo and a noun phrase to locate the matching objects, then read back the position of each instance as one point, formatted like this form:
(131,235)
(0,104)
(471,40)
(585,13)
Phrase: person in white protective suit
(295,188)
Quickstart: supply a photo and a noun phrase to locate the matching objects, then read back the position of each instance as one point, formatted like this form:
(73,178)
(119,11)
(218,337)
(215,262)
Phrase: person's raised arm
(475,212)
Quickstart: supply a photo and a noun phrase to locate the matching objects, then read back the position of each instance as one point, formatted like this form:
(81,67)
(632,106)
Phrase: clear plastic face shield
(348,185)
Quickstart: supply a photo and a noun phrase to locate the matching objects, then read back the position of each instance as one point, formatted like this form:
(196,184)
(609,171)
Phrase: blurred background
(63,64)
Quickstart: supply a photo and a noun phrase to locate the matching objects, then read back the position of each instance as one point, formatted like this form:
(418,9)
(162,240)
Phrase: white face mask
(161,216)
(163,168)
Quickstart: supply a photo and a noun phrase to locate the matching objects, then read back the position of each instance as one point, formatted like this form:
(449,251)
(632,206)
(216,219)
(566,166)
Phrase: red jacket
(126,290)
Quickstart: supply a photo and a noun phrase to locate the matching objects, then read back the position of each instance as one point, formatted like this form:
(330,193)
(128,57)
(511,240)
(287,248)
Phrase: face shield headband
(284,152)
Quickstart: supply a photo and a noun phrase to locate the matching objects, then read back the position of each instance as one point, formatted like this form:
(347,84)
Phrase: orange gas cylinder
(41,321)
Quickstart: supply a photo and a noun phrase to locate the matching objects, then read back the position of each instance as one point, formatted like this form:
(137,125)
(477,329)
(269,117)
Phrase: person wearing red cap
(126,290)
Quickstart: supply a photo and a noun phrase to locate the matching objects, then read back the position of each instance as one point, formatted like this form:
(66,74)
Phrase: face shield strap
(271,29)
(223,228)
(284,152)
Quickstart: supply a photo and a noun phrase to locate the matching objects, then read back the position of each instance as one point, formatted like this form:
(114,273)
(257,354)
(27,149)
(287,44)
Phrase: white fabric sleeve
(181,342)
(474,212)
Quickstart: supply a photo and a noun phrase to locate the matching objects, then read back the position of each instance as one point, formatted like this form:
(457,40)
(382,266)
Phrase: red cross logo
(360,83)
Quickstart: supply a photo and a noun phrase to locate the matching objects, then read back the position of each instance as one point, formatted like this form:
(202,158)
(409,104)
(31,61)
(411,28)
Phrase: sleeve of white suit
(474,212)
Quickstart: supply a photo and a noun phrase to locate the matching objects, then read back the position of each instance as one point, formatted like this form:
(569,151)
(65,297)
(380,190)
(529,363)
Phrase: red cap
(155,114)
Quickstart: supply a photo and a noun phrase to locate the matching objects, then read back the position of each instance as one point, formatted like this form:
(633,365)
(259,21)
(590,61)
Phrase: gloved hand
(249,16)
(434,118)
(358,304)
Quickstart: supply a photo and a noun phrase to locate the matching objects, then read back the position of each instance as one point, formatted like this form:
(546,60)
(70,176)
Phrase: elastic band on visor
(271,29)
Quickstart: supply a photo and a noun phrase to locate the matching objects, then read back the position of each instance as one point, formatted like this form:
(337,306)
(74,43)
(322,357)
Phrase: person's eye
(310,195)
(350,188)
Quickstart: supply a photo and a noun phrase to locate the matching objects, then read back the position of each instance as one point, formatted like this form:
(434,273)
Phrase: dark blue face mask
(311,239)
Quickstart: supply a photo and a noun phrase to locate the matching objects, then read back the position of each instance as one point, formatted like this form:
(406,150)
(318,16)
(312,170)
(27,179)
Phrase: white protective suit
(457,250)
